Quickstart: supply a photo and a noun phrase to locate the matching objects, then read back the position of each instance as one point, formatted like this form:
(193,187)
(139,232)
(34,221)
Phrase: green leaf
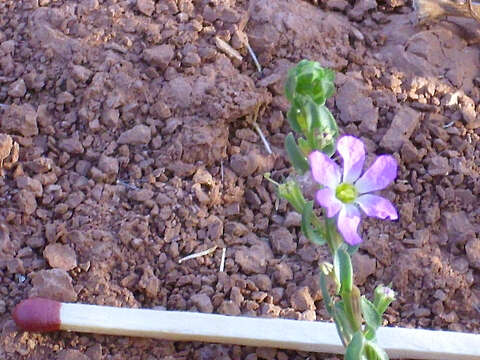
(375,352)
(296,118)
(326,121)
(314,235)
(343,269)
(304,146)
(296,157)
(341,317)
(372,318)
(326,296)
(355,347)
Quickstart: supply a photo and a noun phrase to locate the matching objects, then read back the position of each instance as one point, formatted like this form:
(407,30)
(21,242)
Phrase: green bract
(310,80)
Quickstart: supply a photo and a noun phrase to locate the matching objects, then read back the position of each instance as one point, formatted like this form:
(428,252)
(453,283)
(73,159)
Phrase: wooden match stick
(37,314)
(433,9)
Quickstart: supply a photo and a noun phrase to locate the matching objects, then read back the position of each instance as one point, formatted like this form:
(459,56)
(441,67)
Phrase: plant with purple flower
(342,193)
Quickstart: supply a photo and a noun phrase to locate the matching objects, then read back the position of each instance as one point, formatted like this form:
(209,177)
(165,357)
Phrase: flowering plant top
(342,193)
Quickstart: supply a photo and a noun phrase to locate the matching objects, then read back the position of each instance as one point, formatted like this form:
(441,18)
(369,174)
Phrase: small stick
(473,13)
(37,314)
(199,254)
(433,9)
(264,140)
(227,49)
(222,262)
(221,170)
(254,57)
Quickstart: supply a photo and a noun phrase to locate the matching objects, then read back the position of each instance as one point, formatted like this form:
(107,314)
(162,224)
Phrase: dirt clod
(54,284)
(139,134)
(60,256)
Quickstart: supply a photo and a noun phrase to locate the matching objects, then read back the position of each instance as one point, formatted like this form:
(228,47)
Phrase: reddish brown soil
(132,146)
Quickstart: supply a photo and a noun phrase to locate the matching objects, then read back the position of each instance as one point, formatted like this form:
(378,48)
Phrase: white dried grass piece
(199,254)
(227,49)
(222,262)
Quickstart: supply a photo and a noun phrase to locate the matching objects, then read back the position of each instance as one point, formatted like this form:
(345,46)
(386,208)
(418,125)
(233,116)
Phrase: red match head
(38,314)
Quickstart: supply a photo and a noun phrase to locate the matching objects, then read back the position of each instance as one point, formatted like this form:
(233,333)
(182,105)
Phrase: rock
(54,284)
(60,256)
(203,177)
(262,281)
(181,169)
(111,118)
(17,89)
(409,152)
(473,252)
(243,165)
(356,106)
(141,195)
(72,145)
(395,3)
(235,229)
(361,8)
(109,165)
(6,245)
(283,273)
(459,228)
(33,185)
(159,56)
(71,355)
(292,219)
(338,5)
(301,300)
(149,283)
(266,353)
(26,202)
(236,295)
(363,266)
(253,260)
(81,73)
(138,135)
(282,241)
(6,145)
(438,165)
(177,92)
(20,119)
(228,307)
(146,7)
(202,302)
(402,127)
(191,59)
(215,227)
(65,98)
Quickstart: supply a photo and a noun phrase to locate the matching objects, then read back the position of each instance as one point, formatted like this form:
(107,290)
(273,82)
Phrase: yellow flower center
(346,193)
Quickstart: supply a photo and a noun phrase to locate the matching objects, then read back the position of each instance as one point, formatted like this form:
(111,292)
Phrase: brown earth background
(134,145)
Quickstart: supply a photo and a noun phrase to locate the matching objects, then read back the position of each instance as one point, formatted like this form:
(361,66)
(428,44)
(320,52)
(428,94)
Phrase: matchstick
(433,9)
(37,314)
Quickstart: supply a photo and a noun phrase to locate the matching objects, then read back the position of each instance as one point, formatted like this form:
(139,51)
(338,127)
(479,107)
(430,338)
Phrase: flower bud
(291,192)
(383,297)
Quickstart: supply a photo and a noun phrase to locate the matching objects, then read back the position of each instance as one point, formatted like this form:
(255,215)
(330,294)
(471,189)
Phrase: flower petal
(324,170)
(352,152)
(326,198)
(377,206)
(378,176)
(347,223)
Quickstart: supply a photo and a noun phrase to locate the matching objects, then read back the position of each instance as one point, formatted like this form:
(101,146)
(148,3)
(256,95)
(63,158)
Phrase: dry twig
(434,9)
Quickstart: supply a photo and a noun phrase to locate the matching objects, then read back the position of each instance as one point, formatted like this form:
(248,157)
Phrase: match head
(38,314)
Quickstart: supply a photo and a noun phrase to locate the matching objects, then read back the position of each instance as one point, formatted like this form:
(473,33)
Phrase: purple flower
(343,193)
